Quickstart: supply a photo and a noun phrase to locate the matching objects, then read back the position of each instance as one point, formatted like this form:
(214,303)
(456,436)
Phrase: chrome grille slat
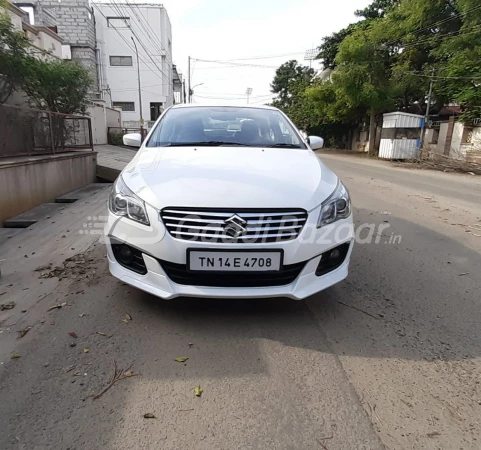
(210,224)
(229,213)
(224,236)
(196,227)
(212,221)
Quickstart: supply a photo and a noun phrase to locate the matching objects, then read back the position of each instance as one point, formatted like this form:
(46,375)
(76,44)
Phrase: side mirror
(315,142)
(132,139)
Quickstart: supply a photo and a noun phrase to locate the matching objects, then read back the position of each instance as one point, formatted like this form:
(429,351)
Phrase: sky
(226,30)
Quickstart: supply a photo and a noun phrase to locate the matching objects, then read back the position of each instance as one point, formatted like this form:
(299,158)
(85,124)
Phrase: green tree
(289,80)
(13,53)
(59,86)
(377,9)
(330,46)
(458,73)
(290,84)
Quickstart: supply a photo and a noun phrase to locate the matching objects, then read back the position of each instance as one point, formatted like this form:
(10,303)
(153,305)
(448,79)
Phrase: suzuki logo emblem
(235,226)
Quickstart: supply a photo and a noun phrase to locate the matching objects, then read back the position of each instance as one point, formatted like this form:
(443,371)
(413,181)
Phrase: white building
(120,29)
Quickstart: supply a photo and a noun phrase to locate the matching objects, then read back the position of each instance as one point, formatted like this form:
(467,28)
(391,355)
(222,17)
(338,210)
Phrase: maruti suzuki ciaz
(229,202)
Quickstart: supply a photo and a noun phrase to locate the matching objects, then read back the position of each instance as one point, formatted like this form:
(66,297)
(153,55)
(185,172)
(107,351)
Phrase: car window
(251,127)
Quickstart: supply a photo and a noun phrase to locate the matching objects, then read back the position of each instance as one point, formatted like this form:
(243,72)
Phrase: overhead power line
(435,24)
(127,43)
(153,32)
(266,57)
(230,63)
(440,77)
(147,52)
(231,93)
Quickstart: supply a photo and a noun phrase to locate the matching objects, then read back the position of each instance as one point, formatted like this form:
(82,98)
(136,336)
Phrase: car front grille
(179,274)
(222,225)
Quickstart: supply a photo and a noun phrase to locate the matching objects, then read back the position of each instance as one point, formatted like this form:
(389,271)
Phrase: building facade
(127,33)
(74,22)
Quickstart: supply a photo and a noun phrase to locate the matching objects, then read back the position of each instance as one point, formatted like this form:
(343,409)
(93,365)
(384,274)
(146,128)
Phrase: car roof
(222,105)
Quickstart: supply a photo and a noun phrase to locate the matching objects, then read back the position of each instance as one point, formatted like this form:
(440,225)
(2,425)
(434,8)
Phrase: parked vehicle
(228,202)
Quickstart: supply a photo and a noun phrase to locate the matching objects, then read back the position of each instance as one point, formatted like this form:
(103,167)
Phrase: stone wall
(27,182)
(75,23)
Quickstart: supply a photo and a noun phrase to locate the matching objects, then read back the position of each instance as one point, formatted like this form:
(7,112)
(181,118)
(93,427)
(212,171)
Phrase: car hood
(229,177)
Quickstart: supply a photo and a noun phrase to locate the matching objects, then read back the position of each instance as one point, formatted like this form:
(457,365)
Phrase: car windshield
(224,126)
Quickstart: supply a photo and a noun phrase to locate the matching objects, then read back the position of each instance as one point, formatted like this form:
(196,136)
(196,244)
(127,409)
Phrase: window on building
(126,106)
(31,15)
(121,60)
(400,133)
(156,110)
(118,22)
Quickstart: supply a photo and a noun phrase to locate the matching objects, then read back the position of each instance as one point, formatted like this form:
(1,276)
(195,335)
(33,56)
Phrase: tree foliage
(385,62)
(13,51)
(59,86)
(56,85)
(290,84)
(377,9)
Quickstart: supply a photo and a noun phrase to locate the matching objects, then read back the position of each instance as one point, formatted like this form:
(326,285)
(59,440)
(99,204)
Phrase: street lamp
(191,91)
(140,91)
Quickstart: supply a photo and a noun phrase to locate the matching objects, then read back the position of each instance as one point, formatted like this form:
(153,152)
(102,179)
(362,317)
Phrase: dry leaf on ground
(23,332)
(181,359)
(60,305)
(5,306)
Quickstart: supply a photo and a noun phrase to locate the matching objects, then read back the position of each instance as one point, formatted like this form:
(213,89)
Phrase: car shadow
(417,300)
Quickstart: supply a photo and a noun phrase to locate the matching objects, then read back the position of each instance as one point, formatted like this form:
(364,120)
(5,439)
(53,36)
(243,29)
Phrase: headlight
(337,206)
(123,202)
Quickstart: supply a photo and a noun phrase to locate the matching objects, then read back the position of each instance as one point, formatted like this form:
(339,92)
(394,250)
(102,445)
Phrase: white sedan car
(228,202)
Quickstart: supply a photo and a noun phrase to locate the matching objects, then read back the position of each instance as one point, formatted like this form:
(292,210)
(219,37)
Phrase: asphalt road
(390,358)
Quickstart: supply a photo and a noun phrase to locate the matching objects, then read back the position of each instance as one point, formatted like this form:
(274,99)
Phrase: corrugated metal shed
(400,137)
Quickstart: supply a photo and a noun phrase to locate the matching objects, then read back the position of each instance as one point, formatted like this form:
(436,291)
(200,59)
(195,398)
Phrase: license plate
(226,261)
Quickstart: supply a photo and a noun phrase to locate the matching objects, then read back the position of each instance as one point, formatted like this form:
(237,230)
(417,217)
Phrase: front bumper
(157,244)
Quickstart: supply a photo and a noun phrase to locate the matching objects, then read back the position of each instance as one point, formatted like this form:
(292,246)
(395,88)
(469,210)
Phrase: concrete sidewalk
(48,243)
(111,160)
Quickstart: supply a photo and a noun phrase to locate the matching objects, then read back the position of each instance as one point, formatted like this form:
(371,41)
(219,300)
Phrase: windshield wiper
(204,144)
(283,146)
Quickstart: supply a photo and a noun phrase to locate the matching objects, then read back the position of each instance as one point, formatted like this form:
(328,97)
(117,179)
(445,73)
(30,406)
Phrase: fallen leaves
(73,334)
(58,306)
(15,356)
(86,350)
(198,391)
(6,306)
(22,333)
(149,416)
(100,333)
(127,319)
(181,359)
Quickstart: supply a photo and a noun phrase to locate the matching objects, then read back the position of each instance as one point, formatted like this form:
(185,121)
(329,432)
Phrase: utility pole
(248,93)
(189,95)
(428,107)
(140,90)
